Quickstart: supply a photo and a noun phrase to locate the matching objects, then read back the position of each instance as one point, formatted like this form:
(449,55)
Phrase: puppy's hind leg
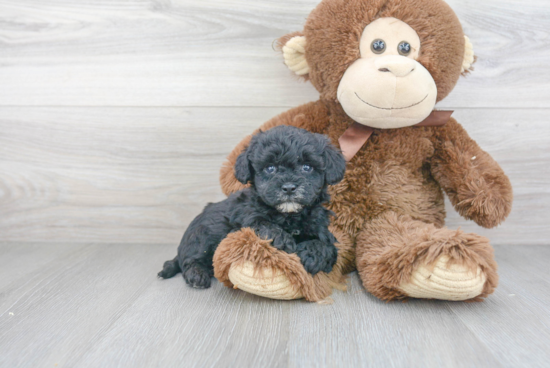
(170,269)
(197,249)
(198,276)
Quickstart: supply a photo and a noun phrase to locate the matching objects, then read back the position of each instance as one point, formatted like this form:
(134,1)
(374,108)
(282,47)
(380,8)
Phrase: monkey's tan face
(386,87)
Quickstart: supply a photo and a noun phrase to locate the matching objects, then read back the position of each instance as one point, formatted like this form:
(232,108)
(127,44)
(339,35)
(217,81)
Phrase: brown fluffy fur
(390,203)
(383,266)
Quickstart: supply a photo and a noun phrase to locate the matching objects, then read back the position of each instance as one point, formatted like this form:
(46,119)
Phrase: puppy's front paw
(280,238)
(317,256)
(285,242)
(197,276)
(331,258)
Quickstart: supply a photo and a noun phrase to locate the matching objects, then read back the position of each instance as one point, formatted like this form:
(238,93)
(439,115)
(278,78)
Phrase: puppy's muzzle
(289,188)
(291,192)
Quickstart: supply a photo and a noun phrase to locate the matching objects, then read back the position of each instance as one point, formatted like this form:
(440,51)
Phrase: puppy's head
(290,167)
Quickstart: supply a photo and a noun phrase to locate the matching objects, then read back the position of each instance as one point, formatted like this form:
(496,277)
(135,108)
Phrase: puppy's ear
(335,164)
(243,169)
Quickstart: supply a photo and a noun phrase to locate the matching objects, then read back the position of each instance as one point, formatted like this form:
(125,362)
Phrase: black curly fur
(304,232)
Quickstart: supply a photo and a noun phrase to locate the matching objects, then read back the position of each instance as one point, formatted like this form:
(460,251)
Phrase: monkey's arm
(312,116)
(476,185)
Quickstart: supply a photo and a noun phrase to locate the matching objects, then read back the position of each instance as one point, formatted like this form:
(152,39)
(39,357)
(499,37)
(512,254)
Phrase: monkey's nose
(399,66)
(288,188)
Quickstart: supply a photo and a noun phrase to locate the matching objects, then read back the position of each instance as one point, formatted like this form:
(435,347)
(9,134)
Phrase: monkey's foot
(399,257)
(444,281)
(245,261)
(270,283)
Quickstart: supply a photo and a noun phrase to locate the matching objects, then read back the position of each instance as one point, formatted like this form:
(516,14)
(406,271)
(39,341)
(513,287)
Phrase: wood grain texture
(140,175)
(58,311)
(115,116)
(505,319)
(219,53)
(102,306)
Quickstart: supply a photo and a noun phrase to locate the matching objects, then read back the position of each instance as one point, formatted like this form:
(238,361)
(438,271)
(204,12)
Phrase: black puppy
(289,170)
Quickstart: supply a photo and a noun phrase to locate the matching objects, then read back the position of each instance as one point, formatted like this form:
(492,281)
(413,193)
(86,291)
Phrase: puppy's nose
(289,188)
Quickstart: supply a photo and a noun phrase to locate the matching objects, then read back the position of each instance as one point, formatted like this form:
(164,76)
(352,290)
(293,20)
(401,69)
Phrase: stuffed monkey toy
(380,66)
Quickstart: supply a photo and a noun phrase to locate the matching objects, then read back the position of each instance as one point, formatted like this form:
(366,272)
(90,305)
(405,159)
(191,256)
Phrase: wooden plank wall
(115,115)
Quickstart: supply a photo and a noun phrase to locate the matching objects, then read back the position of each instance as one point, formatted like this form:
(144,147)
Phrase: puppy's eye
(378,46)
(270,169)
(307,168)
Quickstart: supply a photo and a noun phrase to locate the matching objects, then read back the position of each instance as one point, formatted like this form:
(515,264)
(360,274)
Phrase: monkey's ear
(293,46)
(335,164)
(243,169)
(469,57)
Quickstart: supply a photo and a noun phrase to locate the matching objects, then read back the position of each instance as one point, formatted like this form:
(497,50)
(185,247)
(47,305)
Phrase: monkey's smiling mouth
(391,108)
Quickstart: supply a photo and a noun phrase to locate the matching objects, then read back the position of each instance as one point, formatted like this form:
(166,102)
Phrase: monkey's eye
(404,48)
(307,168)
(270,169)
(378,46)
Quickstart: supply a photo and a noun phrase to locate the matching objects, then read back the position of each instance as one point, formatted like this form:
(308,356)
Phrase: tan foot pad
(270,284)
(445,282)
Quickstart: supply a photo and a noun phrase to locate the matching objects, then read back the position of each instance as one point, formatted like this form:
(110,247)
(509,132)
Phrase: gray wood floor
(101,305)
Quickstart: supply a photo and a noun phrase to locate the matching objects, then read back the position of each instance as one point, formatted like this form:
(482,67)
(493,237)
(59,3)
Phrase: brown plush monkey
(380,66)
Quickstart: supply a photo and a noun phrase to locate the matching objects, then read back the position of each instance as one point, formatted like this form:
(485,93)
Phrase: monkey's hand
(487,201)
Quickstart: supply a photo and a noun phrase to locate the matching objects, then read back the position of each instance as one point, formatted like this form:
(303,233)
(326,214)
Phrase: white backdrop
(115,115)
